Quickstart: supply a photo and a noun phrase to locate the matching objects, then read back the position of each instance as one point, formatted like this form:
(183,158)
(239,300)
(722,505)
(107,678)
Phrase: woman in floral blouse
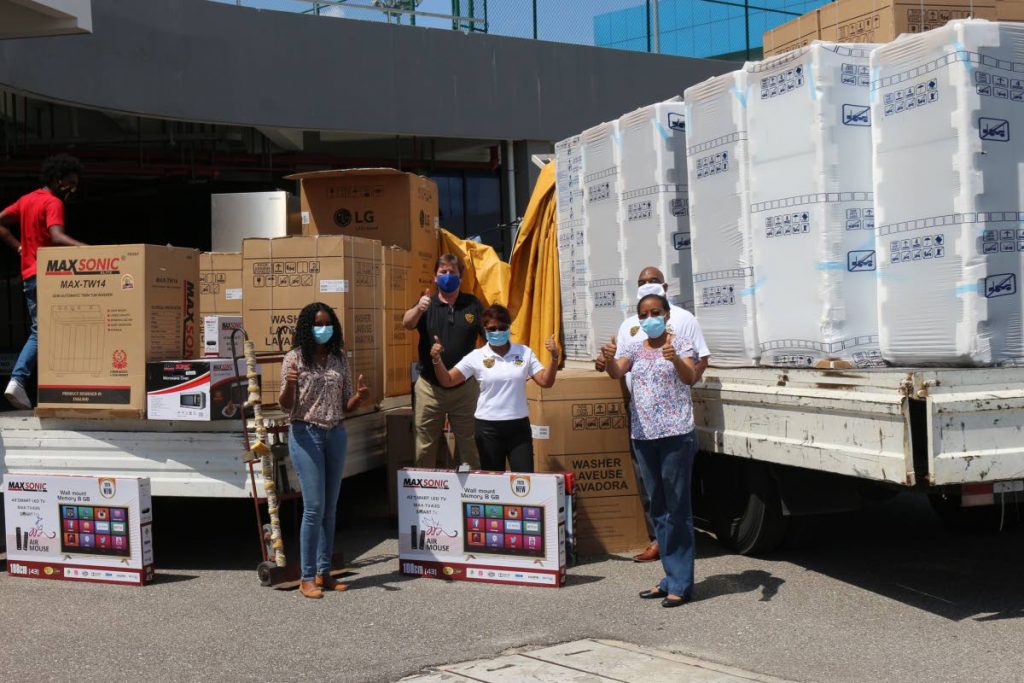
(661,426)
(316,391)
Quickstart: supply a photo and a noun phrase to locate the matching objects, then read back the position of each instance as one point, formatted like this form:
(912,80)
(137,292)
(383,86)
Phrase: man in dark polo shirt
(453,318)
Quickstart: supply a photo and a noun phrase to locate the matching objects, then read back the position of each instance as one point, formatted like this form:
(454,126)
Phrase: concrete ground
(883,594)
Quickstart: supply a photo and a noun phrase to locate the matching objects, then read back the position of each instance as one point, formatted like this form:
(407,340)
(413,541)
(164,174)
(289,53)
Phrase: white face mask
(650,288)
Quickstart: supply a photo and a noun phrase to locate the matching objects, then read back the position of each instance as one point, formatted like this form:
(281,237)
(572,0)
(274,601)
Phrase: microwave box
(218,332)
(106,311)
(79,528)
(200,390)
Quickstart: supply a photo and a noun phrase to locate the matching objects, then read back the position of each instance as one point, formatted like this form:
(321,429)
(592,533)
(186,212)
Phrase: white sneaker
(17,396)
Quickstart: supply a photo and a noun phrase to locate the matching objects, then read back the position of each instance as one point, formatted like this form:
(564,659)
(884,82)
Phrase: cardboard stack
(104,312)
(381,204)
(220,301)
(580,425)
(282,275)
(881,21)
(398,291)
(398,210)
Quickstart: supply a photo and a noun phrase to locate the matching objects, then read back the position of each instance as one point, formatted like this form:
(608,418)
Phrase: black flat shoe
(653,595)
(668,602)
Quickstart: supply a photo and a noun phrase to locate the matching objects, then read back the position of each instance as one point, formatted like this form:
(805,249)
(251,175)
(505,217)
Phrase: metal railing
(701,28)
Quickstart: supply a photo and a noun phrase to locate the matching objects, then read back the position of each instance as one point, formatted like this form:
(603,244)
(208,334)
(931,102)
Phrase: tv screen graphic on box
(500,529)
(94,530)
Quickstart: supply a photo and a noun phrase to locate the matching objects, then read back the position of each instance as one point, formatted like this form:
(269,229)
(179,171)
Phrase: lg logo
(344,218)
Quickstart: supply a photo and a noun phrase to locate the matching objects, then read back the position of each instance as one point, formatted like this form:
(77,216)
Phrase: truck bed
(186,459)
(913,426)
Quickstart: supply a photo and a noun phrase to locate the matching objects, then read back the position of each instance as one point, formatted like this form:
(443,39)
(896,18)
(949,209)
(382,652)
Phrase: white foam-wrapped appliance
(724,287)
(572,261)
(654,205)
(811,211)
(606,286)
(948,126)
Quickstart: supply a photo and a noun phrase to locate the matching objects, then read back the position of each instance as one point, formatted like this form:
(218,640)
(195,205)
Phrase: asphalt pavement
(884,594)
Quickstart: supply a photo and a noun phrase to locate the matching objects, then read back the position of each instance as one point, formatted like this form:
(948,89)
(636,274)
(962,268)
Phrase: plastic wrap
(948,124)
(811,210)
(654,204)
(723,280)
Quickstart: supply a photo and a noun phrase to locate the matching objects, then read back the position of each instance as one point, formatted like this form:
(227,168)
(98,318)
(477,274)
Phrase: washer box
(197,390)
(79,528)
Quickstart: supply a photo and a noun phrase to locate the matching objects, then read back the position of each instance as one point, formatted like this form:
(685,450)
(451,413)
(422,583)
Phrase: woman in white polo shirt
(502,369)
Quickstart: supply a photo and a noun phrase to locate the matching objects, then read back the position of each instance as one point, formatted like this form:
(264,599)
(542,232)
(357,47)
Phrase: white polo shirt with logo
(502,380)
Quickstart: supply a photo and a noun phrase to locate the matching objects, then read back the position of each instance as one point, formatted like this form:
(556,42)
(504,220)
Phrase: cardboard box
(482,526)
(401,450)
(282,275)
(580,425)
(218,331)
(220,283)
(1010,10)
(383,204)
(202,390)
(79,528)
(793,34)
(106,311)
(877,21)
(399,343)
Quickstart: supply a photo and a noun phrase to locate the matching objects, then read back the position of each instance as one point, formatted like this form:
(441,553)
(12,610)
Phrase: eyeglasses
(496,328)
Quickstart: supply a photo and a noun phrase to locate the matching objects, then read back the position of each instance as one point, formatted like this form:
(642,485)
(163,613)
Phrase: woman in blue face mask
(502,368)
(661,425)
(316,392)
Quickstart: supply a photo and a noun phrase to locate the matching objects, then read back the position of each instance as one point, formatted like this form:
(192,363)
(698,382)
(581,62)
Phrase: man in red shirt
(39,219)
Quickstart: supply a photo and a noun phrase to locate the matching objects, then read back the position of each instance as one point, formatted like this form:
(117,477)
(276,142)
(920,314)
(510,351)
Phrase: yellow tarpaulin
(534,290)
(484,274)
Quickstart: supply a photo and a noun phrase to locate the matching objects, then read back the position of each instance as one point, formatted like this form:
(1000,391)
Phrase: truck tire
(746,508)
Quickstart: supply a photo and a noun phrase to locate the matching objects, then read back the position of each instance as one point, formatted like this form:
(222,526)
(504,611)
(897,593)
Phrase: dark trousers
(667,466)
(501,440)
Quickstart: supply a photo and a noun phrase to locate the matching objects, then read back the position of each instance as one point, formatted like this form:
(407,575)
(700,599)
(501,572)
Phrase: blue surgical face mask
(653,326)
(498,338)
(447,282)
(323,333)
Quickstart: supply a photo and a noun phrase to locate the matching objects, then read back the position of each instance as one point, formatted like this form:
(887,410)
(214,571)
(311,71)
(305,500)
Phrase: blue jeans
(27,358)
(319,457)
(667,468)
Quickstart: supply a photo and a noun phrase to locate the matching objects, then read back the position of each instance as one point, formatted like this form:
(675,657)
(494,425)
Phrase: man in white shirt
(683,324)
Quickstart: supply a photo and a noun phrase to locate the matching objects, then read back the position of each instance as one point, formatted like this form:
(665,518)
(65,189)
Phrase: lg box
(79,528)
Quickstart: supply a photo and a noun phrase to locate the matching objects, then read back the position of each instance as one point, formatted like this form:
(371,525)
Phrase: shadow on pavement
(899,549)
(743,582)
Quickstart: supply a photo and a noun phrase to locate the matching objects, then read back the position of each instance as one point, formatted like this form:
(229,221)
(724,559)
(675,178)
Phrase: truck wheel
(745,506)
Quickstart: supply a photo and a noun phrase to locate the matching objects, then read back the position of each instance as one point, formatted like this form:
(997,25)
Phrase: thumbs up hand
(608,350)
(436,350)
(361,388)
(424,302)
